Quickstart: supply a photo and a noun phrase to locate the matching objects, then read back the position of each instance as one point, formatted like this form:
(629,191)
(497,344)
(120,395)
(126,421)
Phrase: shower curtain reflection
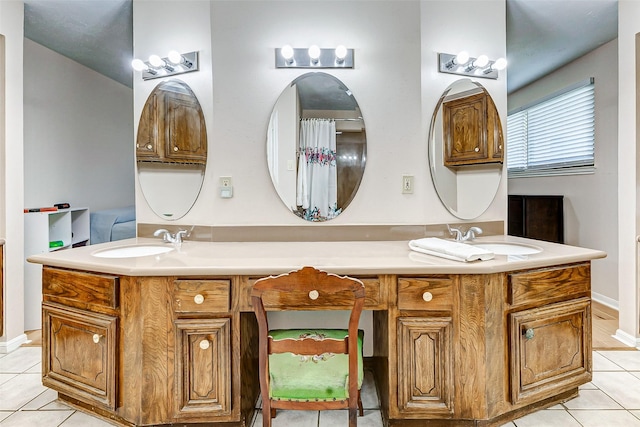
(316,193)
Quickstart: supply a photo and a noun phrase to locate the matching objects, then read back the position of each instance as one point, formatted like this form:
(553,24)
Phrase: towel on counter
(450,250)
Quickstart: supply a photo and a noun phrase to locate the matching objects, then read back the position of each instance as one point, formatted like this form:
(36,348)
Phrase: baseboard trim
(604,300)
(11,345)
(627,339)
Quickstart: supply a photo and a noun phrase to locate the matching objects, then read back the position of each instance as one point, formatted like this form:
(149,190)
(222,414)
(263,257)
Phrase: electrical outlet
(225,181)
(226,187)
(407,184)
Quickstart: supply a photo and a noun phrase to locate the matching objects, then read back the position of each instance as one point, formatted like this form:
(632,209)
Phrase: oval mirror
(316,146)
(171,149)
(465,149)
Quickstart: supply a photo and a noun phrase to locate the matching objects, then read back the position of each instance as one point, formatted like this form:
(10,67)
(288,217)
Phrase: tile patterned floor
(611,399)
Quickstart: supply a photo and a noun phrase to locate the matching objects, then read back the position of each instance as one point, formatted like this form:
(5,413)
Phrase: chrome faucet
(464,236)
(172,238)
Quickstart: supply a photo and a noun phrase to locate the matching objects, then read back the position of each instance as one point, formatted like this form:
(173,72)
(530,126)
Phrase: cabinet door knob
(96,338)
(198,299)
(149,146)
(204,344)
(175,148)
(476,149)
(529,333)
(314,294)
(427,296)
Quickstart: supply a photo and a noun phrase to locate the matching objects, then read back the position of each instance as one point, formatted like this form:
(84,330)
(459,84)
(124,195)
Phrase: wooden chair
(312,369)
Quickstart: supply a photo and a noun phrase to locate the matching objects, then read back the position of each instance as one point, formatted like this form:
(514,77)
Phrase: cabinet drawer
(550,350)
(86,288)
(80,354)
(425,293)
(375,297)
(547,284)
(202,295)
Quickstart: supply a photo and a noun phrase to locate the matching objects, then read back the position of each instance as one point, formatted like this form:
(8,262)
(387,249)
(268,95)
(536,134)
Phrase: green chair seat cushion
(322,377)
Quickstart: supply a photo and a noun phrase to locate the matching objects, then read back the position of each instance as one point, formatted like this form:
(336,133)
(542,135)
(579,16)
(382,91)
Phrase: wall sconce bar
(175,63)
(314,57)
(472,67)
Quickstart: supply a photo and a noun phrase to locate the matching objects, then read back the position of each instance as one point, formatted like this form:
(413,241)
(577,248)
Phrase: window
(553,136)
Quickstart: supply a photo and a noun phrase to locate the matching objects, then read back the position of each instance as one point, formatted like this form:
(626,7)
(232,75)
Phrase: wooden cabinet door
(79,354)
(147,144)
(185,138)
(425,366)
(465,130)
(550,350)
(203,367)
(495,139)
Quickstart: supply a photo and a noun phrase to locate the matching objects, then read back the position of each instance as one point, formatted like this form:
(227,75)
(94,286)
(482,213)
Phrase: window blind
(554,136)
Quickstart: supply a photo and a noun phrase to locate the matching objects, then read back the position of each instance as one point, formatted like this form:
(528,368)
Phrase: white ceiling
(96,33)
(542,35)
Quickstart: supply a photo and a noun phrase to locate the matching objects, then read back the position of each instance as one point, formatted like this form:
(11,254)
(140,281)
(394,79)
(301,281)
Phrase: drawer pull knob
(528,334)
(427,296)
(204,344)
(149,146)
(314,294)
(175,148)
(96,338)
(198,299)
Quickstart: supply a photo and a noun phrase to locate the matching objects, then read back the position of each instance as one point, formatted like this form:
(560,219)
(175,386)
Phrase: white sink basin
(132,251)
(506,248)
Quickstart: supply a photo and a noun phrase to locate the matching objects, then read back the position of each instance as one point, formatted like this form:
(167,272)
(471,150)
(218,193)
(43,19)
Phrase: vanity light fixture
(174,63)
(480,62)
(287,54)
(314,54)
(314,57)
(460,59)
(464,65)
(341,53)
(497,65)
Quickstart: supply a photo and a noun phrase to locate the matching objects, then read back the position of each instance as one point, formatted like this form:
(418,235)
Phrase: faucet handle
(471,233)
(455,232)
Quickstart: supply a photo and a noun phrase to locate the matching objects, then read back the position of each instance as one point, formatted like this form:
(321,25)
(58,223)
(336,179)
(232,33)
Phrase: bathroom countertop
(264,258)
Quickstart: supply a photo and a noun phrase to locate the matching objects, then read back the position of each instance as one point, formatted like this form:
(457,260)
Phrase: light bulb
(175,57)
(500,64)
(462,57)
(139,65)
(314,52)
(481,61)
(287,52)
(341,52)
(156,61)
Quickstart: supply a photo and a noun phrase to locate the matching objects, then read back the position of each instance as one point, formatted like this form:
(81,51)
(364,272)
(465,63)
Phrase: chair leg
(273,412)
(353,417)
(360,409)
(267,410)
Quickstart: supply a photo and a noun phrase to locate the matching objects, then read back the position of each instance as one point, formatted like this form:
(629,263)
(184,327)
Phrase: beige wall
(628,179)
(590,201)
(395,83)
(77,138)
(11,178)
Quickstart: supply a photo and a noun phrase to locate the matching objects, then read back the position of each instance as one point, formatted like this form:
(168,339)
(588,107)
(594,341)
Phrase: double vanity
(147,333)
